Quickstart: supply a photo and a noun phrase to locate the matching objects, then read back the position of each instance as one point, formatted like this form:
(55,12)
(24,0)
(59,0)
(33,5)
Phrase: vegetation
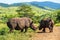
(25,11)
(35,13)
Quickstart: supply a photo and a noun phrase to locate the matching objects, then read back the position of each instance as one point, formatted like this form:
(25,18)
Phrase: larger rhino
(20,24)
(46,23)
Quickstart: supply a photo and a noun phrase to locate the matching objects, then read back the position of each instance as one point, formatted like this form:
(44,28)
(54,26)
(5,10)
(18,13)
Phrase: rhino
(20,24)
(46,23)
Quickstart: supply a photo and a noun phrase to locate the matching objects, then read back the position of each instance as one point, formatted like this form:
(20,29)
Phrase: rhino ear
(31,22)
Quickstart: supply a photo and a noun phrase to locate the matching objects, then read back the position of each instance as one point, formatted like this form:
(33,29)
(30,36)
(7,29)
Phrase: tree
(58,15)
(25,11)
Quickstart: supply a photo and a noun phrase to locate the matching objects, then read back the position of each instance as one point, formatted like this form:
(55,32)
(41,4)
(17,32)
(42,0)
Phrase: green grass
(58,24)
(15,35)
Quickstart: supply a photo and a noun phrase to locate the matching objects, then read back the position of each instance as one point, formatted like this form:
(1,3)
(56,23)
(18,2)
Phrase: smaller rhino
(46,23)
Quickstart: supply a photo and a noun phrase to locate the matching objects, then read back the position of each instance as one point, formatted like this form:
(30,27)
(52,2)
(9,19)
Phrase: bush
(3,31)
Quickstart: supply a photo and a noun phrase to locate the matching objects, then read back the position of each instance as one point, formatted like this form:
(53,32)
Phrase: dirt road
(55,35)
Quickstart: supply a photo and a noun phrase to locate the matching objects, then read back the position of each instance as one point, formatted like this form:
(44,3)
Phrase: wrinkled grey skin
(20,24)
(46,23)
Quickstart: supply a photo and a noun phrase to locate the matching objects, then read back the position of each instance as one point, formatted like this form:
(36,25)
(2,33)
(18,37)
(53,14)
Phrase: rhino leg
(11,30)
(26,28)
(43,29)
(21,30)
(40,27)
(13,26)
(51,28)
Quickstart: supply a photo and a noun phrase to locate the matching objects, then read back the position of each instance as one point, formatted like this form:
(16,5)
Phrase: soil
(55,35)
